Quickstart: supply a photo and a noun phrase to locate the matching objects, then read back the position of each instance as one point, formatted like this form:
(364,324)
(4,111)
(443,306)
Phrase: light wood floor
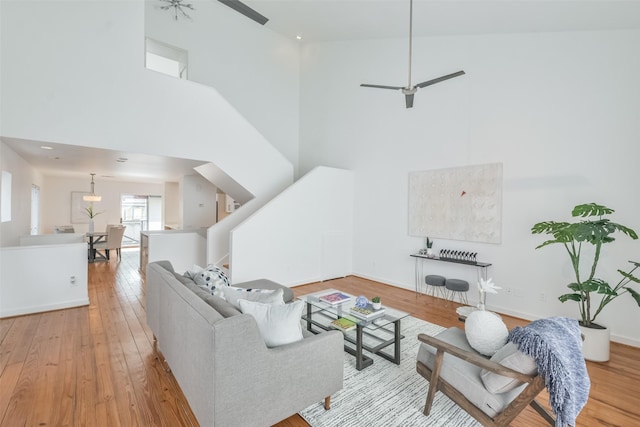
(95,365)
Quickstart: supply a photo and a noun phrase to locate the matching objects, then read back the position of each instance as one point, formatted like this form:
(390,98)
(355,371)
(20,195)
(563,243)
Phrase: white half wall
(559,110)
(182,248)
(295,237)
(60,281)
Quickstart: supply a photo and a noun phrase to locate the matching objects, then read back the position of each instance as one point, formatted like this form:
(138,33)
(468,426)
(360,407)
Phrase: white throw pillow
(486,332)
(266,296)
(279,324)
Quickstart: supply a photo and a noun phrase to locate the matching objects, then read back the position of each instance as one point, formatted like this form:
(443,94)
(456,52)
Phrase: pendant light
(92,197)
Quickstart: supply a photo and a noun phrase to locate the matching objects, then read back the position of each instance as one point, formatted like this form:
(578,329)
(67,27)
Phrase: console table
(481,267)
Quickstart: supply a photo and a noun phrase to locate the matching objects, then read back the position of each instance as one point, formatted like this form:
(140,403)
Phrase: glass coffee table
(372,335)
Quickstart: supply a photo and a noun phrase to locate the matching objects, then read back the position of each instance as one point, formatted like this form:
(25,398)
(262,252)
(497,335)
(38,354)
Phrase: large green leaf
(549,227)
(591,209)
(572,297)
(629,276)
(629,232)
(635,295)
(575,286)
(594,285)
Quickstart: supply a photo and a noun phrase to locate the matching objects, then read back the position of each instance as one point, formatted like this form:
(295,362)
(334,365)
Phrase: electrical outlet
(72,280)
(518,293)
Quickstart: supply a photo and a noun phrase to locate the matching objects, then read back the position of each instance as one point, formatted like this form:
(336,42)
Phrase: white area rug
(385,394)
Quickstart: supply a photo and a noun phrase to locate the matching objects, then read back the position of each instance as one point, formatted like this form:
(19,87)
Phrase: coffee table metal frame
(319,314)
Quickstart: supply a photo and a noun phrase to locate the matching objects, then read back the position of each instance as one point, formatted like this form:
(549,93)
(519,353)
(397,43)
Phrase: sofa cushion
(267,284)
(510,357)
(183,279)
(278,324)
(266,296)
(221,306)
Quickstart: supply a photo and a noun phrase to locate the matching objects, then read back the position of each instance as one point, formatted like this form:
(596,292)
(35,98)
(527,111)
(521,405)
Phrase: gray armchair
(545,353)
(451,366)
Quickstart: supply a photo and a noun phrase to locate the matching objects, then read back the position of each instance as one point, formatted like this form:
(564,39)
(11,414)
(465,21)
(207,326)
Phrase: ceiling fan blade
(408,100)
(440,79)
(382,87)
(242,8)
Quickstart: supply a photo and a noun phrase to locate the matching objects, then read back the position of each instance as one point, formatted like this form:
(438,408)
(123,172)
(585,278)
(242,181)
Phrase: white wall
(294,238)
(56,200)
(27,290)
(560,111)
(198,202)
(252,67)
(23,176)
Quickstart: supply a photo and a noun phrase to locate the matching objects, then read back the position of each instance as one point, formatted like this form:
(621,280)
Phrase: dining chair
(113,241)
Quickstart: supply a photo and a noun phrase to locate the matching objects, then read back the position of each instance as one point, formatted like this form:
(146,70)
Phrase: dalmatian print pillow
(211,278)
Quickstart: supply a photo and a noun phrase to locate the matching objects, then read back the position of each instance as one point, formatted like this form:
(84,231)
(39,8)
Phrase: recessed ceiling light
(45,147)
(299,37)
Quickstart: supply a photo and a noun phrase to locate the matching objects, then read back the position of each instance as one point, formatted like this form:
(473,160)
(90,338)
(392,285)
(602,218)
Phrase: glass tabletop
(336,303)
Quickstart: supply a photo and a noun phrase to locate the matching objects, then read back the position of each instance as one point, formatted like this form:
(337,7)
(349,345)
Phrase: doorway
(139,213)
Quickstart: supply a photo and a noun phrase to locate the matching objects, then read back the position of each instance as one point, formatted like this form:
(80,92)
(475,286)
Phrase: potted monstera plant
(591,293)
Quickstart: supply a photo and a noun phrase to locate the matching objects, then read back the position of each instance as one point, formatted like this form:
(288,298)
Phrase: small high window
(166,59)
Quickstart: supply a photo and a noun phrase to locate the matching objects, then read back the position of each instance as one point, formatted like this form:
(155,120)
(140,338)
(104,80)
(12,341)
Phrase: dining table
(94,238)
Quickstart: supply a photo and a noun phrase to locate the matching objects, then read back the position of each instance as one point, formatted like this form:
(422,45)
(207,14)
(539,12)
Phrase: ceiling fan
(410,90)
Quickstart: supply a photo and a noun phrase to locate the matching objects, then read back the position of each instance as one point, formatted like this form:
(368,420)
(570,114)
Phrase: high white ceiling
(332,20)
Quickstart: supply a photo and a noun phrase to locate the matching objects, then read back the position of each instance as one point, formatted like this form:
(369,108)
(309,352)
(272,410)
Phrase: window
(166,59)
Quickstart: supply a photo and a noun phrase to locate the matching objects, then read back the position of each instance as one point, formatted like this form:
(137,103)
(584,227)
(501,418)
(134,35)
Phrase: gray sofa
(218,357)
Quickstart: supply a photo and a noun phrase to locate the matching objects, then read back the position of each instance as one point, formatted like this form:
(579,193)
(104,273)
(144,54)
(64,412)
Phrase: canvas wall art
(461,203)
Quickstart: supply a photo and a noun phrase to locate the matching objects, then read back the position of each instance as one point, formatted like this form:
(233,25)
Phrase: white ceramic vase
(482,299)
(90,226)
(595,346)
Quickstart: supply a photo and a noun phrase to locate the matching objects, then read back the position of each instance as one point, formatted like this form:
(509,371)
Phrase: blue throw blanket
(555,344)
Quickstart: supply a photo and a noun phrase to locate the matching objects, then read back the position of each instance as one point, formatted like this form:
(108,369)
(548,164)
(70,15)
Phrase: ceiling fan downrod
(410,90)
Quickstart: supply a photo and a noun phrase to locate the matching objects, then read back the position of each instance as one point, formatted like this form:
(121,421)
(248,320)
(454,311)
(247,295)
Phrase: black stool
(459,287)
(438,283)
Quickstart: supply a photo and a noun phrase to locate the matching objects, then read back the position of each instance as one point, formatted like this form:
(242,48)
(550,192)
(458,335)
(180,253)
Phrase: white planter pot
(595,346)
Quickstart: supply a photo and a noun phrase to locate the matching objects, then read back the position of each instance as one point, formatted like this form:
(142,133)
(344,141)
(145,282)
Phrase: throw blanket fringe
(555,344)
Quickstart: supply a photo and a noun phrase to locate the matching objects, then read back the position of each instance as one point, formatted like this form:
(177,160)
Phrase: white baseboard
(520,315)
(20,311)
